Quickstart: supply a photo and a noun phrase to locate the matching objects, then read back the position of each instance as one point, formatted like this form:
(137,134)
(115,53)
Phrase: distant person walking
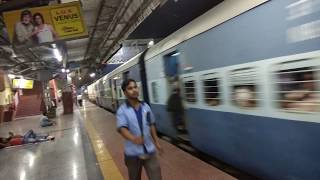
(136,123)
(79,99)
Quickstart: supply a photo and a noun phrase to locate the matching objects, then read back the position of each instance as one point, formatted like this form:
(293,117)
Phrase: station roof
(111,25)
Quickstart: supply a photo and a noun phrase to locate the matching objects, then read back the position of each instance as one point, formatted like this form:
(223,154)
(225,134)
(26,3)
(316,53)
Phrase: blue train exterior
(254,45)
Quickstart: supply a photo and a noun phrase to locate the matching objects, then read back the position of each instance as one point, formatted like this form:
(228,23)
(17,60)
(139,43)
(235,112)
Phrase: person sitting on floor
(45,121)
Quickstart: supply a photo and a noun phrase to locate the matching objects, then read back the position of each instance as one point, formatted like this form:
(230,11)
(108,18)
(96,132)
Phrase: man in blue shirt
(136,123)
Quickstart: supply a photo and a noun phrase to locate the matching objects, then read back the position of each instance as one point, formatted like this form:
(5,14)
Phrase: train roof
(133,61)
(221,13)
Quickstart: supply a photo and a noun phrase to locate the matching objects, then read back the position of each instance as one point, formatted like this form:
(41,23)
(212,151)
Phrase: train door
(175,103)
(111,94)
(115,93)
(171,69)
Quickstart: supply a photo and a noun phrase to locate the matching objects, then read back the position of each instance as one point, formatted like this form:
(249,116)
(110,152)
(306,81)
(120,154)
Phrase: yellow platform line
(107,166)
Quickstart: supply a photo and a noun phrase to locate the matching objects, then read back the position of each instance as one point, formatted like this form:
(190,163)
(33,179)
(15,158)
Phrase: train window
(140,90)
(244,88)
(298,90)
(108,93)
(190,91)
(154,88)
(211,90)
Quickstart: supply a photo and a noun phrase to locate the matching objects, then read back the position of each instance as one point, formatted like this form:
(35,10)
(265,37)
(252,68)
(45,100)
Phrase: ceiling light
(11,76)
(68,70)
(63,70)
(176,54)
(151,43)
(80,78)
(92,75)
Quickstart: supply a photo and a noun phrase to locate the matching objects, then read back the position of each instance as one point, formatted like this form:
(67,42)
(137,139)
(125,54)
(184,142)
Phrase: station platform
(87,146)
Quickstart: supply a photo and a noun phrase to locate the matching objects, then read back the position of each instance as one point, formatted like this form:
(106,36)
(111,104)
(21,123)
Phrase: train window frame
(119,92)
(211,77)
(298,97)
(245,81)
(154,91)
(100,85)
(104,86)
(186,94)
(139,84)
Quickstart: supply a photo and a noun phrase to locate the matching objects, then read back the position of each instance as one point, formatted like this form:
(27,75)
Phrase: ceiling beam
(102,4)
(134,18)
(121,13)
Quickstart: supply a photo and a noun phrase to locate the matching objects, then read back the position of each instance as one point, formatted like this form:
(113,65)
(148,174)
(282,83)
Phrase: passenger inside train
(176,109)
(299,90)
(244,96)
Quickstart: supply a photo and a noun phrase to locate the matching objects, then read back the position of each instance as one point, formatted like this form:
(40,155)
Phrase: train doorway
(115,93)
(175,105)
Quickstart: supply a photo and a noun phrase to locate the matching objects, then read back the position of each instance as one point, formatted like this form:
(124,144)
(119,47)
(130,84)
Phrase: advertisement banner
(22,84)
(46,24)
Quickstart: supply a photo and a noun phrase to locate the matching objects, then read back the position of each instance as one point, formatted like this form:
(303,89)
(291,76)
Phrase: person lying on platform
(4,142)
(29,137)
(45,121)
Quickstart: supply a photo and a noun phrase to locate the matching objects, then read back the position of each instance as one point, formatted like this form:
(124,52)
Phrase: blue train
(249,72)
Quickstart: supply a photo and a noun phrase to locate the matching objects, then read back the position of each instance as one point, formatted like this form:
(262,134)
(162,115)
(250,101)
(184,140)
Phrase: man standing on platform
(136,123)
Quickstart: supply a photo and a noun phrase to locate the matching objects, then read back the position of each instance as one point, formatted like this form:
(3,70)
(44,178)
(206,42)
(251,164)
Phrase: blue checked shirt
(127,117)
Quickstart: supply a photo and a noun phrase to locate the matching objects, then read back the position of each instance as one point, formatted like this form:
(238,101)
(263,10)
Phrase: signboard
(22,84)
(46,24)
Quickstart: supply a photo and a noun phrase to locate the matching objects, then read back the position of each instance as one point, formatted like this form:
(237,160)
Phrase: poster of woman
(43,32)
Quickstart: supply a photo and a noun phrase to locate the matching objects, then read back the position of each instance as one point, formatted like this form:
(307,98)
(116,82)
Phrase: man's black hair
(126,83)
(24,13)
